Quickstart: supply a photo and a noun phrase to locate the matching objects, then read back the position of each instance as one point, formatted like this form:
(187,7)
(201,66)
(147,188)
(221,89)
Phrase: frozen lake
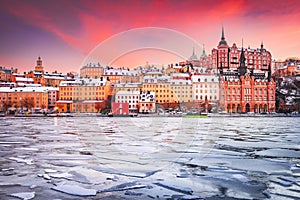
(149,158)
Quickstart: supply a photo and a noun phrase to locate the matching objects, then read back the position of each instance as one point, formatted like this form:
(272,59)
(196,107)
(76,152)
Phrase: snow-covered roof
(64,101)
(117,85)
(120,72)
(181,82)
(23,89)
(154,72)
(122,92)
(92,101)
(90,65)
(8,83)
(22,79)
(180,75)
(84,81)
(55,77)
(205,78)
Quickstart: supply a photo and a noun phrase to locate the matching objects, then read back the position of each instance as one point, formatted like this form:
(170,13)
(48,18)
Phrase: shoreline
(210,115)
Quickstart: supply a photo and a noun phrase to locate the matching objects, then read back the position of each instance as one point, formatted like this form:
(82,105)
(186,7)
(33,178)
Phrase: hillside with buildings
(231,79)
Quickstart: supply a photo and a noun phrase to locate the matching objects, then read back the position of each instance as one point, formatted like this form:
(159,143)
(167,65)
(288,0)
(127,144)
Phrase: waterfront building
(246,84)
(162,88)
(120,108)
(182,91)
(205,88)
(53,96)
(130,97)
(247,94)
(83,95)
(147,102)
(20,98)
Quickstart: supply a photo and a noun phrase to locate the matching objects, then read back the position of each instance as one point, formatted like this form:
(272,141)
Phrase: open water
(149,158)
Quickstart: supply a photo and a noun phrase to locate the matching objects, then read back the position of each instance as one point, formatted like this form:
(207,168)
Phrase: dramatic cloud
(78,26)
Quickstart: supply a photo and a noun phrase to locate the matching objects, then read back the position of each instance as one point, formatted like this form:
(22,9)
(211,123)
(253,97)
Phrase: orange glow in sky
(63,32)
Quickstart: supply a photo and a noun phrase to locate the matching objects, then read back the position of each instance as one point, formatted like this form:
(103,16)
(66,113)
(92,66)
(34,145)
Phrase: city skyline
(64,32)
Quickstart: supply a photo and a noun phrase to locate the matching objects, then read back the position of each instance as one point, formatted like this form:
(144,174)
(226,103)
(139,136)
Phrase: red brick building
(247,94)
(245,78)
(229,57)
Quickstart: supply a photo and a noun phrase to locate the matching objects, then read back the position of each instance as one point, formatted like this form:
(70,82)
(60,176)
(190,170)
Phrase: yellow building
(182,90)
(120,75)
(161,87)
(23,98)
(91,71)
(83,95)
(127,87)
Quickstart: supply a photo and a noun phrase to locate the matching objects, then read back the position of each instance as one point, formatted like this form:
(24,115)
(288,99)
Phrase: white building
(130,97)
(147,102)
(205,87)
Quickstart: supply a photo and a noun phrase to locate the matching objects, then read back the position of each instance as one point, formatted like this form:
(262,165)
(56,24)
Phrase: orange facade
(77,97)
(23,98)
(247,95)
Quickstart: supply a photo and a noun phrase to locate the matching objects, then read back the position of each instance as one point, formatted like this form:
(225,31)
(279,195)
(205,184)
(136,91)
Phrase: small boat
(195,115)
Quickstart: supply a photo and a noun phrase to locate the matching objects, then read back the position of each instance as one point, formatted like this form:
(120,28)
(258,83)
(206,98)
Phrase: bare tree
(29,103)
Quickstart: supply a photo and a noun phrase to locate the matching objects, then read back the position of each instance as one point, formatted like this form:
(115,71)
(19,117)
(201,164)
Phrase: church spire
(193,50)
(223,36)
(242,68)
(194,56)
(203,52)
(223,41)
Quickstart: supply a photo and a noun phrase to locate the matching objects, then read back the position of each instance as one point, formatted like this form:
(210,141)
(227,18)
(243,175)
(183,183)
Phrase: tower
(203,52)
(223,52)
(223,41)
(194,56)
(39,65)
(242,70)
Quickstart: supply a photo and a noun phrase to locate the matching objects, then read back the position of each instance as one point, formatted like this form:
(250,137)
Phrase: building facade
(23,98)
(91,71)
(130,97)
(228,58)
(247,94)
(246,84)
(83,95)
(147,102)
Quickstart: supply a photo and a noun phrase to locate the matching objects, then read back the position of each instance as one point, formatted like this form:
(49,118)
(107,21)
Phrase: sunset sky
(64,32)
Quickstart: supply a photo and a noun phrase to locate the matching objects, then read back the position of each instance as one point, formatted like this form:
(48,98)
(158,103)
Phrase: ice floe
(75,190)
(24,195)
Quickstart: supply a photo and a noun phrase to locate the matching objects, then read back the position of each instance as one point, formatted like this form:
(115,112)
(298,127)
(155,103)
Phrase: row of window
(200,97)
(207,85)
(82,88)
(206,91)
(79,94)
(248,98)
